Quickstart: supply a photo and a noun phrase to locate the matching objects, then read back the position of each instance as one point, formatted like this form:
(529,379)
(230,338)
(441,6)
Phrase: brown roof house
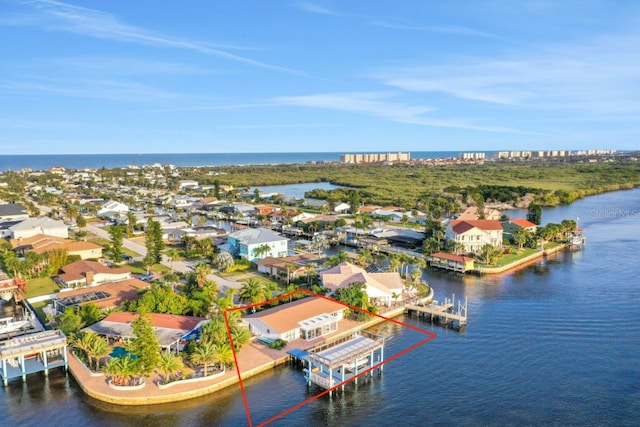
(306,318)
(88,273)
(41,243)
(106,296)
(381,288)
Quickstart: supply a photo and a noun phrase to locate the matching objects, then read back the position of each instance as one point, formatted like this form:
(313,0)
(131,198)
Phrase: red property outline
(430,335)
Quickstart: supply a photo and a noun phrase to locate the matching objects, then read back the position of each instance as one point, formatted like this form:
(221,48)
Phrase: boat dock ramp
(446,313)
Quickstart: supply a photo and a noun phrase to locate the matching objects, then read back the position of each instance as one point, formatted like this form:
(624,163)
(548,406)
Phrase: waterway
(557,343)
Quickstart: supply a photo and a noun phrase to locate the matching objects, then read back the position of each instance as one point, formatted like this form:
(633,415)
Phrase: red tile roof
(522,222)
(462,226)
(167,321)
(451,257)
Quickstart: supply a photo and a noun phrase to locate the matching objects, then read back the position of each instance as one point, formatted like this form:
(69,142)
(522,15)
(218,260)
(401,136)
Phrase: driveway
(179,266)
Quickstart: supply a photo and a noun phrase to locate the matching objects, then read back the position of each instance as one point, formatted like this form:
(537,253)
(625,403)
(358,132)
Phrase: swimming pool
(119,351)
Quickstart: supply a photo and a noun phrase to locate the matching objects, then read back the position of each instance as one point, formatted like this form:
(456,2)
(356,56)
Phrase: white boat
(9,324)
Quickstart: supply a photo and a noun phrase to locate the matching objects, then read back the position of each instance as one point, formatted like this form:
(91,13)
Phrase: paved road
(179,266)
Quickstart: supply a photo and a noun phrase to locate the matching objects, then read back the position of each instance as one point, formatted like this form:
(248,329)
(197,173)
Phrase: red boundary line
(431,336)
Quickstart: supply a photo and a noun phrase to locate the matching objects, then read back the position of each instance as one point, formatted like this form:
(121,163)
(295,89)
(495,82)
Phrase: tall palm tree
(202,271)
(204,354)
(98,348)
(253,291)
(224,355)
(82,342)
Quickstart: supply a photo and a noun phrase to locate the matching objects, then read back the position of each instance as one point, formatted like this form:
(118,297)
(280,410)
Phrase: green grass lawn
(41,286)
(139,268)
(514,256)
(37,307)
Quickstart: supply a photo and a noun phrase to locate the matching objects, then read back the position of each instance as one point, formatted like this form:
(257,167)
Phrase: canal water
(557,343)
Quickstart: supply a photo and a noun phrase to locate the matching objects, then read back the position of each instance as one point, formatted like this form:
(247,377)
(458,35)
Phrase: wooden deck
(444,312)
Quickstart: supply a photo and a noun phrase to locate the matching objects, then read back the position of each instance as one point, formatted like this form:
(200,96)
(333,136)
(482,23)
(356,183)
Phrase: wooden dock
(444,312)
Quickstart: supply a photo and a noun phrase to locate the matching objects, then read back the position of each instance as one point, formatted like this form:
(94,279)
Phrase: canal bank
(254,359)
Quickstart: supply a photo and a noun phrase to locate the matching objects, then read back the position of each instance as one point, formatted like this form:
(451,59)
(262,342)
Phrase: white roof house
(43,225)
(244,243)
(111,208)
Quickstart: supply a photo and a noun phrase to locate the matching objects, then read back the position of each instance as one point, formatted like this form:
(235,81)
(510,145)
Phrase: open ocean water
(97,161)
(556,343)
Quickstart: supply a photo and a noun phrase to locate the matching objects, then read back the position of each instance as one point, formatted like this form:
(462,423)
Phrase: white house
(245,243)
(86,273)
(187,183)
(474,234)
(306,318)
(43,225)
(112,210)
(382,288)
(12,211)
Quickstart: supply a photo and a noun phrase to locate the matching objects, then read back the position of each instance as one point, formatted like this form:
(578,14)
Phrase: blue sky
(143,76)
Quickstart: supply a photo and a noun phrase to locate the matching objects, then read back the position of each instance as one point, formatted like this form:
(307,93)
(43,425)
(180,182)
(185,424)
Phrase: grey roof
(43,222)
(256,236)
(11,209)
(166,336)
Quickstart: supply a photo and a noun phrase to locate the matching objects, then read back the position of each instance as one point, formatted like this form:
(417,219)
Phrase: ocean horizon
(16,162)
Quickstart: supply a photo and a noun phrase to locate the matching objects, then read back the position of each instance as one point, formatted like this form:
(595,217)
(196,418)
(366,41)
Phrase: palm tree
(169,365)
(204,354)
(364,258)
(224,355)
(173,255)
(120,369)
(320,242)
(416,274)
(82,342)
(240,335)
(394,262)
(261,250)
(310,271)
(253,291)
(98,348)
(202,271)
(520,237)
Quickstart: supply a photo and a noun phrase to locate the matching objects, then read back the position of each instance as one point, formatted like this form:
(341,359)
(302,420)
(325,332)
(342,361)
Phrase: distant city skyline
(89,77)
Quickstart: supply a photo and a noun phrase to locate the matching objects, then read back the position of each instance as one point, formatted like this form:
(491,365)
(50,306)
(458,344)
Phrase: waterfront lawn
(514,256)
(41,286)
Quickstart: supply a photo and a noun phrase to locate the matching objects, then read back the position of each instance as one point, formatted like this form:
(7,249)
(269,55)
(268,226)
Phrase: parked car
(147,277)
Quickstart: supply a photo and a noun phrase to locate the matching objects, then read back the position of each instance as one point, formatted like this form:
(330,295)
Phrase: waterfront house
(43,225)
(172,330)
(86,273)
(41,243)
(474,234)
(306,318)
(471,213)
(106,296)
(451,262)
(382,288)
(513,225)
(245,243)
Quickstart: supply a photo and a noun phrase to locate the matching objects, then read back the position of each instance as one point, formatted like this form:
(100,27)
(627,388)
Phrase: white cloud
(94,23)
(597,77)
(445,29)
(378,104)
(308,6)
